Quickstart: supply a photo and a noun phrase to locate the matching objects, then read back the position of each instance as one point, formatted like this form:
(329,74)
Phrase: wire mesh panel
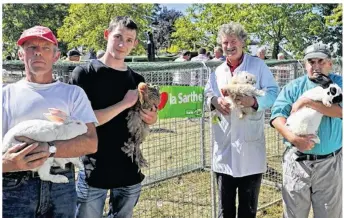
(337,66)
(283,73)
(176,183)
(179,182)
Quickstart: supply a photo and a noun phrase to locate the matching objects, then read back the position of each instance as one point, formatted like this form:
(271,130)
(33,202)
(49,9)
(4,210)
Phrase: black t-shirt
(109,167)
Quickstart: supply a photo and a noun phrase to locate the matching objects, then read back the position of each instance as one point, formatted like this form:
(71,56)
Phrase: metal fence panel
(179,182)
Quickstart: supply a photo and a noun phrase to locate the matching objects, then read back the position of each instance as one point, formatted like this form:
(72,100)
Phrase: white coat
(239,144)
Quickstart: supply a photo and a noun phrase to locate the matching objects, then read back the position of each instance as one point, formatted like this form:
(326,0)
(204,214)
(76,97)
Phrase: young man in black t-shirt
(111,87)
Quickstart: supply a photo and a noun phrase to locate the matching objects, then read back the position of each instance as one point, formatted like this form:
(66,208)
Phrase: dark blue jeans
(34,198)
(248,190)
(91,200)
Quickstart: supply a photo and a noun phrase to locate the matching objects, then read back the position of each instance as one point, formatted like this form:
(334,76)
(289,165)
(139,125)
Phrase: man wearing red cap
(24,193)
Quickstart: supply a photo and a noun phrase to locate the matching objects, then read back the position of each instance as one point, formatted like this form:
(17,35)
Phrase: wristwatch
(255,105)
(52,149)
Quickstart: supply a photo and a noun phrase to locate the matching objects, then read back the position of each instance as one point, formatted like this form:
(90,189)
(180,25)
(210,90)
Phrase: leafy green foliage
(333,19)
(18,17)
(86,23)
(291,26)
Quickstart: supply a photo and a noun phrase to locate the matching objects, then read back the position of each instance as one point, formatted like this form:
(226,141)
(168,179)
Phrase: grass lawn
(274,211)
(188,196)
(177,183)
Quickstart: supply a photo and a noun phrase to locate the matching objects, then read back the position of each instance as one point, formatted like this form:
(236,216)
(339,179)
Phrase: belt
(312,157)
(32,174)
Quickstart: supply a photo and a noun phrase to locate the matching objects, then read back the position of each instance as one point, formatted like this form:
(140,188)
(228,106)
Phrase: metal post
(211,142)
(201,82)
(212,174)
(297,72)
(202,141)
(150,47)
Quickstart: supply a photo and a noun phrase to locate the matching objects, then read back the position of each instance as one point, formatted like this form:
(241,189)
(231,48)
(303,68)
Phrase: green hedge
(145,59)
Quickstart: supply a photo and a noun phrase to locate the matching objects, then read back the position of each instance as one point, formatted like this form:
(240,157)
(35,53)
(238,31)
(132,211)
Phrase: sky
(177,7)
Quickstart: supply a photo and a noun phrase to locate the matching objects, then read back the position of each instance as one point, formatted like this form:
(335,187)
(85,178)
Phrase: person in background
(209,55)
(100,54)
(280,56)
(185,56)
(91,54)
(218,54)
(283,71)
(73,55)
(182,77)
(202,55)
(261,53)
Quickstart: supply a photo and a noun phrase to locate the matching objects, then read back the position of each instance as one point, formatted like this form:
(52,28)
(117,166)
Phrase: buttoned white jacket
(239,144)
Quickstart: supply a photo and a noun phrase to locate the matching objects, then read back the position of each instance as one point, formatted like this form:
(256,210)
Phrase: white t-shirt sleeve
(81,108)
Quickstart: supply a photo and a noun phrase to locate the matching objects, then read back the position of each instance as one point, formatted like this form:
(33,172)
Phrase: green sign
(181,101)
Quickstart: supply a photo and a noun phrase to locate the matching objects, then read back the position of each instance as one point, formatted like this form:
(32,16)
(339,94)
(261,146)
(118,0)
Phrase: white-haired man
(261,53)
(239,155)
(282,72)
(218,54)
(280,56)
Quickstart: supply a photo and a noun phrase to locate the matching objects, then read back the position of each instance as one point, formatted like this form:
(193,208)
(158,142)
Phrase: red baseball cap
(38,32)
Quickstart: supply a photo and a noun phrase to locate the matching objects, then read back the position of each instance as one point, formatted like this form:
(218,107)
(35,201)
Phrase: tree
(18,17)
(200,25)
(86,23)
(293,26)
(186,34)
(163,27)
(335,18)
(333,14)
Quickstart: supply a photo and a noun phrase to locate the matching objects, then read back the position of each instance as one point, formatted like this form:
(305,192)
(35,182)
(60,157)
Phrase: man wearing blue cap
(312,173)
